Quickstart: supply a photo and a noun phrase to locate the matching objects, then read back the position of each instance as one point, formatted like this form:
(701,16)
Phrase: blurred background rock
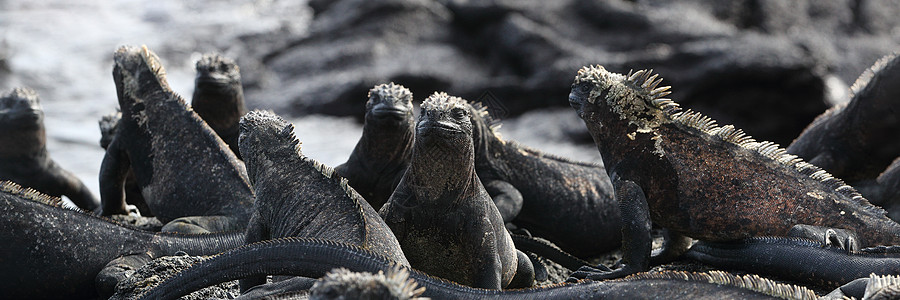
(768,67)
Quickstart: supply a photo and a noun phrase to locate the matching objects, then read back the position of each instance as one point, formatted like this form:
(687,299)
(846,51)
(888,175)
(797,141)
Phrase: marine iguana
(857,140)
(184,170)
(443,217)
(314,258)
(300,197)
(798,259)
(23,151)
(885,190)
(219,97)
(679,169)
(382,153)
(569,203)
(51,251)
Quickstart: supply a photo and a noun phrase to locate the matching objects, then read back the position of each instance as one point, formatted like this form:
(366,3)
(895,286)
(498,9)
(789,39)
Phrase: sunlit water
(63,49)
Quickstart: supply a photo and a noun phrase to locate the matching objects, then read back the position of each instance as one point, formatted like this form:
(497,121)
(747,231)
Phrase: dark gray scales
(678,168)
(443,217)
(857,140)
(567,202)
(54,252)
(382,153)
(219,97)
(300,197)
(23,151)
(315,258)
(184,170)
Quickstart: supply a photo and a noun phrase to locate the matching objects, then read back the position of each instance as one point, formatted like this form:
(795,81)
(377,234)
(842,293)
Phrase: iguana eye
(458,113)
(585,88)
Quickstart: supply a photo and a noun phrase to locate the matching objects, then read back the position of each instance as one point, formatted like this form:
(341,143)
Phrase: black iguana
(219,97)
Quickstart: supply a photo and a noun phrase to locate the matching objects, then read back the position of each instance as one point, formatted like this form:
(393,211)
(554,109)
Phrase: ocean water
(63,49)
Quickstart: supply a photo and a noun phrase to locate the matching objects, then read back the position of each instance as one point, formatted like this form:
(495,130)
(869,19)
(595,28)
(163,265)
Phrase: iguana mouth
(433,126)
(386,111)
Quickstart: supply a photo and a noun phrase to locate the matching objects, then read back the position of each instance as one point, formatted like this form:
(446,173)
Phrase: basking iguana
(54,252)
(219,97)
(444,219)
(708,182)
(299,197)
(382,153)
(569,203)
(108,125)
(315,258)
(798,259)
(858,139)
(184,170)
(23,151)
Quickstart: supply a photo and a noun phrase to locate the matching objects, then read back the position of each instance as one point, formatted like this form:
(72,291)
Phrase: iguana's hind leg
(506,197)
(524,272)
(203,224)
(636,240)
(674,245)
(117,270)
(835,237)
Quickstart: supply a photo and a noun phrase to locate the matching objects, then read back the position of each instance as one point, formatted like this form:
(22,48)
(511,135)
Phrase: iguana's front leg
(636,241)
(835,237)
(112,179)
(674,245)
(506,197)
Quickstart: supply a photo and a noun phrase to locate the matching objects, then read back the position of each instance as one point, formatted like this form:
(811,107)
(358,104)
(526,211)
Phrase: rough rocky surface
(159,269)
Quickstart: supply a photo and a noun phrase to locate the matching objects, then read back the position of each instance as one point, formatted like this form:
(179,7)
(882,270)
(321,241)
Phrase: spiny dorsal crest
(440,101)
(882,287)
(395,285)
(12,188)
(130,59)
(482,110)
(643,85)
(217,63)
(390,92)
(751,282)
(871,74)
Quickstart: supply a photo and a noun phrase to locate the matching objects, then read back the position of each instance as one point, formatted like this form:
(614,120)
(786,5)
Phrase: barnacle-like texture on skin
(750,281)
(341,283)
(390,92)
(20,94)
(440,101)
(637,98)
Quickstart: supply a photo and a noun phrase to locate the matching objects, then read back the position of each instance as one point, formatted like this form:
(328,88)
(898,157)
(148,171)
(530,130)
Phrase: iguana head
(139,76)
(390,103)
(341,283)
(634,98)
(216,69)
(108,126)
(445,120)
(265,136)
(21,108)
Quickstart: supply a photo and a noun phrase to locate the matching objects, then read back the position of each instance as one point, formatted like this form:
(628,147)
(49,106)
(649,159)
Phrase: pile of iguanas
(437,204)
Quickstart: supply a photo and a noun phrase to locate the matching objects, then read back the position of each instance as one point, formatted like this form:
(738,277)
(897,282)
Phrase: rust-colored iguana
(697,179)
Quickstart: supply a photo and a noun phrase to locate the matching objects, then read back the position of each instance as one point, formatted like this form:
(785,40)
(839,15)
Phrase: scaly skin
(23,151)
(857,140)
(886,189)
(382,153)
(109,124)
(219,97)
(696,179)
(297,196)
(183,168)
(441,214)
(558,197)
(315,258)
(53,252)
(798,259)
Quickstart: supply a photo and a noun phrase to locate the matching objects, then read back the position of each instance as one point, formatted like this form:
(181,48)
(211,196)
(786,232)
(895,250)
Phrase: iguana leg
(112,178)
(506,197)
(256,232)
(280,287)
(835,237)
(202,224)
(76,191)
(117,270)
(524,272)
(674,245)
(636,241)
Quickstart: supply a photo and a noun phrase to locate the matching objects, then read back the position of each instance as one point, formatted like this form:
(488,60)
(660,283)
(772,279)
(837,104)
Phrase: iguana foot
(835,237)
(117,270)
(201,224)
